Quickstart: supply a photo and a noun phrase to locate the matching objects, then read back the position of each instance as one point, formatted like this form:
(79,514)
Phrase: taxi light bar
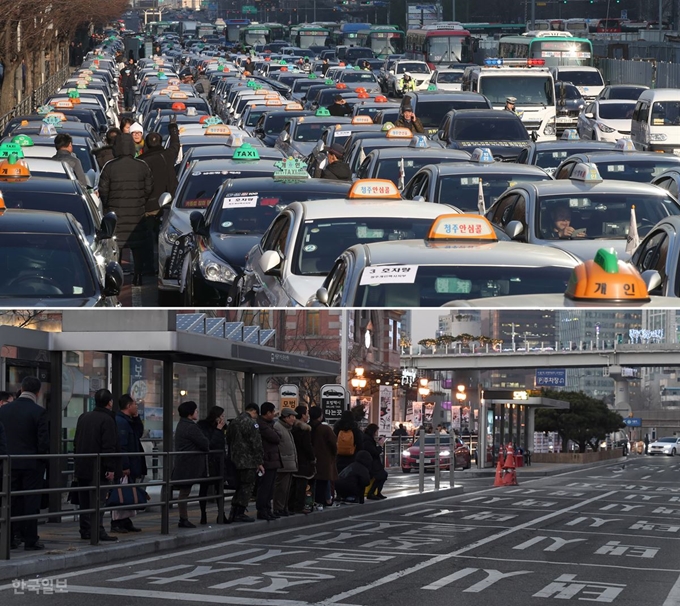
(586,173)
(60,116)
(462,227)
(178,107)
(419,142)
(23,141)
(291,107)
(63,104)
(367,189)
(606,278)
(570,134)
(246,152)
(361,120)
(625,145)
(380,99)
(398,132)
(322,112)
(217,130)
(177,95)
(273,102)
(482,155)
(359,90)
(14,169)
(341,85)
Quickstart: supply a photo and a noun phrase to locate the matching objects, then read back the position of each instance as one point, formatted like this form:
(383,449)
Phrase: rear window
(431,112)
(474,129)
(582,78)
(616,111)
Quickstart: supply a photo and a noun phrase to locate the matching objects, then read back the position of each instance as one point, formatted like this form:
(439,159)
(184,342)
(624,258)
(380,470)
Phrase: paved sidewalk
(65,550)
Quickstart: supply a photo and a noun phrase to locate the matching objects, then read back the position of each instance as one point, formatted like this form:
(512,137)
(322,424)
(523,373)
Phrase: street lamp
(461,396)
(423,389)
(358,381)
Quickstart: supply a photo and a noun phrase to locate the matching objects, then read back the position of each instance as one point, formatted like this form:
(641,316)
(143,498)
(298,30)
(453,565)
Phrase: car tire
(188,294)
(673,452)
(405,470)
(169,298)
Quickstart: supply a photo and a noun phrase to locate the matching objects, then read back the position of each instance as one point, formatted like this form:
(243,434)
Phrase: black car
(502,132)
(45,262)
(270,125)
(238,215)
(431,106)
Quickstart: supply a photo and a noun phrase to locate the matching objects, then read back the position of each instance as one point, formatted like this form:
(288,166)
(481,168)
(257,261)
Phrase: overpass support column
(530,428)
(621,391)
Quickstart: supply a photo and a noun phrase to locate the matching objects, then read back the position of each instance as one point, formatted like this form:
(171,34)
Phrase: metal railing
(36,98)
(166,484)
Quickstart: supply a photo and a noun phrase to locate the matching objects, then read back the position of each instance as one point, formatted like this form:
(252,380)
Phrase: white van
(655,125)
(588,80)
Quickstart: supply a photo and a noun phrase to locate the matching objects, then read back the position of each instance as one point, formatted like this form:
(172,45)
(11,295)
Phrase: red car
(462,459)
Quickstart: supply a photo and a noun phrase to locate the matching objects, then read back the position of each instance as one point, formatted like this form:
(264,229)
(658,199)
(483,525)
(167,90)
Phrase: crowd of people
(287,462)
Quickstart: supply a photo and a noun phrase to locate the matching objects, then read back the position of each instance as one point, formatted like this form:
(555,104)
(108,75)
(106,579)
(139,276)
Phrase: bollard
(6,509)
(421,462)
(166,495)
(437,462)
(96,501)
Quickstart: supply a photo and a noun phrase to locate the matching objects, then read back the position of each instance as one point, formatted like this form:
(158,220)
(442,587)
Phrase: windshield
(302,84)
(570,91)
(43,265)
(199,189)
(254,115)
(562,52)
(634,170)
(626,92)
(309,131)
(435,285)
(358,52)
(256,37)
(472,129)
(388,168)
(431,112)
(430,440)
(413,68)
(667,440)
(550,160)
(467,188)
(274,123)
(313,39)
(357,76)
(59,202)
(449,77)
(582,78)
(528,90)
(445,49)
(602,215)
(616,111)
(324,240)
(665,113)
(386,43)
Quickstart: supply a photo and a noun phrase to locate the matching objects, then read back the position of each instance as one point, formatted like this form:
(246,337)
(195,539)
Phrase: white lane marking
(580,564)
(673,598)
(645,477)
(481,542)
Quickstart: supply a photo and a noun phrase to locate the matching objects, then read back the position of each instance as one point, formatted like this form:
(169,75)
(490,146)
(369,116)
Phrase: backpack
(346,446)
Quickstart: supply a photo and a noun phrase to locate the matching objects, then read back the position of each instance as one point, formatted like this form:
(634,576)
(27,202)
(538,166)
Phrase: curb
(61,560)
(528,473)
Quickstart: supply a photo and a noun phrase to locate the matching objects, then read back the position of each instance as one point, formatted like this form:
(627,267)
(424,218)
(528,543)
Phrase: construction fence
(652,73)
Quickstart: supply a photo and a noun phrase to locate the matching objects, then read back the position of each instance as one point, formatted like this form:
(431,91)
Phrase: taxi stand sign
(289,396)
(587,173)
(482,155)
(606,279)
(368,189)
(462,227)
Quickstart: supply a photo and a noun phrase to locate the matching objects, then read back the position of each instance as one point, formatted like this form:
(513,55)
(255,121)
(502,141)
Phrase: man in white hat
(137,133)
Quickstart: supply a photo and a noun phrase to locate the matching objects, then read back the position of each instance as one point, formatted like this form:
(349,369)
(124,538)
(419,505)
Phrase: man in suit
(27,431)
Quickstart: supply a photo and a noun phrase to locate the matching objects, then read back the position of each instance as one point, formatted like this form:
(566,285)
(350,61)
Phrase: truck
(188,28)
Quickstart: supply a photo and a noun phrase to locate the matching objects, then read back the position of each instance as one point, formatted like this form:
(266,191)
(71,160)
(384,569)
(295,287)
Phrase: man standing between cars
(27,430)
(127,82)
(337,168)
(407,119)
(63,143)
(96,433)
(246,453)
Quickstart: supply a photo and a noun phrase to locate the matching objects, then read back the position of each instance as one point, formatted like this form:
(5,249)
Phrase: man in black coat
(27,430)
(272,462)
(127,420)
(337,169)
(96,433)
(105,153)
(127,82)
(161,161)
(124,187)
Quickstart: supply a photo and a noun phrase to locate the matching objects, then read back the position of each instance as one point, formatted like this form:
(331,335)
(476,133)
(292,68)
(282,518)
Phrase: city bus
(277,31)
(309,36)
(383,40)
(233,27)
(491,30)
(252,35)
(441,44)
(556,48)
(347,34)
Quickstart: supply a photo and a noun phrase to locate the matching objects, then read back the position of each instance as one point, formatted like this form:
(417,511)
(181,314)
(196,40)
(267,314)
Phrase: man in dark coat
(63,143)
(302,436)
(407,119)
(339,108)
(337,169)
(272,462)
(161,161)
(325,444)
(27,430)
(127,82)
(354,478)
(96,433)
(105,153)
(124,187)
(247,455)
(129,441)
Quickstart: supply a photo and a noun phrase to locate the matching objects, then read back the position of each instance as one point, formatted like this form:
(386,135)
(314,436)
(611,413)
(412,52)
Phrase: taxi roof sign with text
(587,173)
(462,227)
(374,189)
(482,155)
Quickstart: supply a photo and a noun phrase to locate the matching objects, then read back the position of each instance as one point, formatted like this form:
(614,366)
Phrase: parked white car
(419,70)
(450,79)
(606,120)
(666,446)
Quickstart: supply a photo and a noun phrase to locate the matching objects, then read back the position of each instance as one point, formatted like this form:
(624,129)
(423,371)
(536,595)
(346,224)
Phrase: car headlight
(604,128)
(171,234)
(445,453)
(657,137)
(215,269)
(549,130)
(406,453)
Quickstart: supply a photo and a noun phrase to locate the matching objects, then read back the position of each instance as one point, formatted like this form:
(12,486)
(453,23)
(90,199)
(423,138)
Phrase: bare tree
(22,318)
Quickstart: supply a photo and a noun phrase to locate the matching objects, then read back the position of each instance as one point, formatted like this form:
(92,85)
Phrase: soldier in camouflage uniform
(247,455)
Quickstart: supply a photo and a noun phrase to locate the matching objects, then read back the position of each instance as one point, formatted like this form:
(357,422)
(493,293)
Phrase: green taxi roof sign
(291,168)
(246,152)
(23,141)
(212,121)
(329,81)
(9,148)
(251,84)
(322,112)
(44,109)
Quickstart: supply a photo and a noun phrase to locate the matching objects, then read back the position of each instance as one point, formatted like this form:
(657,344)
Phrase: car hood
(658,444)
(233,248)
(301,288)
(586,249)
(303,148)
(617,124)
(180,219)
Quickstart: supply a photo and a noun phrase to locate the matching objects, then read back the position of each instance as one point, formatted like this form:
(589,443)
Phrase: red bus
(608,26)
(441,44)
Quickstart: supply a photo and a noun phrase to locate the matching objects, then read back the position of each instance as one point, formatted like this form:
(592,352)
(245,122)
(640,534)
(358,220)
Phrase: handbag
(127,495)
(118,515)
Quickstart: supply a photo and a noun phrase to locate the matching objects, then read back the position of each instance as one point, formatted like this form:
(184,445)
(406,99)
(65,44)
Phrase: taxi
(270,124)
(370,107)
(300,247)
(195,190)
(604,281)
(299,135)
(623,163)
(659,253)
(581,214)
(670,181)
(471,186)
(460,258)
(239,214)
(548,155)
(400,164)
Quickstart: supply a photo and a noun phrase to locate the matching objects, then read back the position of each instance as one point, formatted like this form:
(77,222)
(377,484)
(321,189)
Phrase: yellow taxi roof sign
(217,130)
(586,173)
(398,132)
(59,115)
(178,95)
(291,107)
(368,189)
(462,227)
(63,104)
(625,144)
(262,91)
(362,120)
(606,279)
(273,102)
(173,87)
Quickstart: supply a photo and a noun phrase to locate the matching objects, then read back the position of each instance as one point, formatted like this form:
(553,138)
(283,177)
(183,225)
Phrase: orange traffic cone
(509,473)
(498,481)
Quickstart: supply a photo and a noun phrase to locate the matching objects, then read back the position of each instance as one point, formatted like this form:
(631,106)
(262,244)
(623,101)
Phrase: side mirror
(418,199)
(107,227)
(284,137)
(322,296)
(652,279)
(113,279)
(270,263)
(91,178)
(514,229)
(164,199)
(534,135)
(319,146)
(197,221)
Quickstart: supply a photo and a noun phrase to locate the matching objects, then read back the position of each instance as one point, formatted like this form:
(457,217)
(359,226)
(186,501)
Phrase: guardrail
(6,518)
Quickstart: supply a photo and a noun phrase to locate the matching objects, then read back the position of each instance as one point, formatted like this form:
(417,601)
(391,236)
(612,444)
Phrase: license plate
(564,119)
